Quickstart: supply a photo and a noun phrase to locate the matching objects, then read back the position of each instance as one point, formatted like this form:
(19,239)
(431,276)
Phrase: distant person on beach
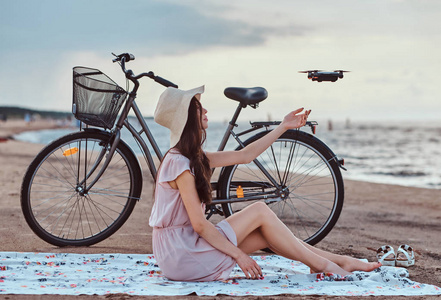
(27,118)
(186,246)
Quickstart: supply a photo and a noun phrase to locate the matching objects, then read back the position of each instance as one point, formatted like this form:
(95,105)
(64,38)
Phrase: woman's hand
(249,266)
(295,120)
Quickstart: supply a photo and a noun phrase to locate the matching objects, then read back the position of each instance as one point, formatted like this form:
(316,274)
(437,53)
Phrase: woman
(187,247)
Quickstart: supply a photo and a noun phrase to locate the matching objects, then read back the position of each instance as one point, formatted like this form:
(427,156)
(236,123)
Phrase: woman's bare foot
(352,264)
(330,267)
(336,269)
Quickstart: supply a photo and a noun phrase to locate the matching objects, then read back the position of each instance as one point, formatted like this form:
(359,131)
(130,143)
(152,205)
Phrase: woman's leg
(257,227)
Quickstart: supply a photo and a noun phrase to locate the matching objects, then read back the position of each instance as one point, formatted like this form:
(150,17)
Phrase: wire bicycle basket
(97,99)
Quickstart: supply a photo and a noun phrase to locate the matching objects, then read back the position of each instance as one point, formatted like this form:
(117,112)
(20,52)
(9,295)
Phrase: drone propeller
(310,71)
(341,71)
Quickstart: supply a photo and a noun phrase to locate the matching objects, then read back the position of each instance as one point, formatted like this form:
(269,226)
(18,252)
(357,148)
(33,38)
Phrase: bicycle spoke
(98,208)
(94,218)
(53,177)
(98,205)
(73,207)
(55,207)
(288,165)
(46,200)
(276,167)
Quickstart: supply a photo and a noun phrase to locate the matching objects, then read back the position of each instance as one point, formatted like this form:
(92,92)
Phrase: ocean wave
(402,173)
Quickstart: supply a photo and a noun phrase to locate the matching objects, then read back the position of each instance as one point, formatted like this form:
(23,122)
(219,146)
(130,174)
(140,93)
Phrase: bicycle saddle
(246,96)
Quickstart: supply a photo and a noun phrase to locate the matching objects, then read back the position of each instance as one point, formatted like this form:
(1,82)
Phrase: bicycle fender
(96,130)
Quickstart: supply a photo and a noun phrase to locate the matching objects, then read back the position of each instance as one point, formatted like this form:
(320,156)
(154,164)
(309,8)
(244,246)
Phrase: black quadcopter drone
(319,75)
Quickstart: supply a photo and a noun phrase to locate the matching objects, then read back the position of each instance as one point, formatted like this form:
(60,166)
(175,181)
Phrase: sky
(391,48)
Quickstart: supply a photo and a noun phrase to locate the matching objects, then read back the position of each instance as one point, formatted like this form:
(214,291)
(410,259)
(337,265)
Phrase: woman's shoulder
(173,165)
(175,155)
(174,159)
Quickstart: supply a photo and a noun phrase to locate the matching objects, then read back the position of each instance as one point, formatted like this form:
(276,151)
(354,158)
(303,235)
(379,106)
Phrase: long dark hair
(190,145)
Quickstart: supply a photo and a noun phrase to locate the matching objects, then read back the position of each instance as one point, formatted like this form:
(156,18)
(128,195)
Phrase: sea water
(399,153)
(406,154)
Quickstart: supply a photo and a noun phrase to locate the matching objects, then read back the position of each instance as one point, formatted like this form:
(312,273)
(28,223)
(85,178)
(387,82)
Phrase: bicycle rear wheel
(306,191)
(52,198)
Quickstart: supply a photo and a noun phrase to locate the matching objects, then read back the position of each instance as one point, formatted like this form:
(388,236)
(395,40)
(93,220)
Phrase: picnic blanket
(138,274)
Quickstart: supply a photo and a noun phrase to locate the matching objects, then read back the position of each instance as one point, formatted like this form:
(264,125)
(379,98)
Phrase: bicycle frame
(123,122)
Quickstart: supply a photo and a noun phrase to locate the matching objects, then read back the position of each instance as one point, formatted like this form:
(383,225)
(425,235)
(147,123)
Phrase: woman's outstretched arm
(187,188)
(227,158)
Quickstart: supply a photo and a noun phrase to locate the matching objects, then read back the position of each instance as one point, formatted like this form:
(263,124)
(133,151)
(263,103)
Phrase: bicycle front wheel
(299,179)
(53,200)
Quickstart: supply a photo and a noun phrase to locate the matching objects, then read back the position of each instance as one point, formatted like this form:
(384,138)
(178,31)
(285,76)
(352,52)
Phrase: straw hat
(172,110)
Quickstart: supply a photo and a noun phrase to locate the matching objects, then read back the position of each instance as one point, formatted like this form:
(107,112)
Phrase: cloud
(390,46)
(153,26)
(43,39)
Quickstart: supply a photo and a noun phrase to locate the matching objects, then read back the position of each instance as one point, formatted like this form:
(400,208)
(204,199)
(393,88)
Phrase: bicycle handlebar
(164,82)
(126,57)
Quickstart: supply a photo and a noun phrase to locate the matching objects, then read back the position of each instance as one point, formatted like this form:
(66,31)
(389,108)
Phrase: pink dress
(180,252)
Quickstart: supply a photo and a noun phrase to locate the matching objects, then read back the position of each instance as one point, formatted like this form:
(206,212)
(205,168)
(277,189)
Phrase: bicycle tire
(51,198)
(311,205)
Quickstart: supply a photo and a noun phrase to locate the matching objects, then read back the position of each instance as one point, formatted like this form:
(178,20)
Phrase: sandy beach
(373,215)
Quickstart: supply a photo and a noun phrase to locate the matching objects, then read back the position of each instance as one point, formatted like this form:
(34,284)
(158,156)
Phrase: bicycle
(81,188)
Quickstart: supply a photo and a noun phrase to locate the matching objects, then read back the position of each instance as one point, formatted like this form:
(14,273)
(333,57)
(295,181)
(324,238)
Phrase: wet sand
(373,215)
